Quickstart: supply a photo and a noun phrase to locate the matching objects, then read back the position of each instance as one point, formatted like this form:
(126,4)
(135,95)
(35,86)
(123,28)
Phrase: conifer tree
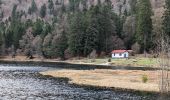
(133,6)
(38,27)
(0,2)
(43,11)
(16,29)
(166,18)
(91,40)
(78,26)
(144,24)
(62,45)
(51,6)
(106,26)
(33,8)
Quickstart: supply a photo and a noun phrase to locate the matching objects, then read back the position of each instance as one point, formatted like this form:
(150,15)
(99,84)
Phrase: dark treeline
(78,31)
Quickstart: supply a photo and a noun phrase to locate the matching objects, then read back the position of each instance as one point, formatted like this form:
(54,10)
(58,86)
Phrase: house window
(120,54)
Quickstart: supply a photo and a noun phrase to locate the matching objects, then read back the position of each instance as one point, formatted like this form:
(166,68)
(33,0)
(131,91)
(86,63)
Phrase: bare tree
(26,43)
(163,49)
(37,45)
(136,47)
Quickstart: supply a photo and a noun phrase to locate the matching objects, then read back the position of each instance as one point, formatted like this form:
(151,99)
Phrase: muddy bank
(121,79)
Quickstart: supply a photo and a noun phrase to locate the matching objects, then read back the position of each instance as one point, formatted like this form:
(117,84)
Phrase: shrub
(144,78)
(136,48)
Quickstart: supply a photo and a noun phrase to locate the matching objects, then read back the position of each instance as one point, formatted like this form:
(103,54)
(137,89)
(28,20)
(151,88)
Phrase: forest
(78,28)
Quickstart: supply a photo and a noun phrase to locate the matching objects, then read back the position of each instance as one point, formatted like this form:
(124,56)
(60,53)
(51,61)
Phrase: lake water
(21,82)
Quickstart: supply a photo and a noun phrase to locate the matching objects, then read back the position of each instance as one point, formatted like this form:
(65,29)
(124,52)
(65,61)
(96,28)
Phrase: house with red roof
(120,54)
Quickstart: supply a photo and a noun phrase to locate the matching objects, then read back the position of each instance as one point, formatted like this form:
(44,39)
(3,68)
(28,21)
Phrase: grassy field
(137,61)
(149,62)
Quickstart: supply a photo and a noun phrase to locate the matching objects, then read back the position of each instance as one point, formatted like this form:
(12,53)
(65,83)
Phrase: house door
(125,56)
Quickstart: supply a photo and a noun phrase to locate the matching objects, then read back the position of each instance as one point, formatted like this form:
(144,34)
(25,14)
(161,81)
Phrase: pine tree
(62,45)
(92,36)
(51,6)
(18,31)
(1,34)
(14,12)
(57,2)
(63,8)
(29,11)
(43,11)
(74,5)
(91,40)
(144,24)
(16,28)
(106,26)
(77,33)
(33,8)
(1,39)
(166,19)
(2,29)
(0,2)
(133,6)
(47,28)
(38,27)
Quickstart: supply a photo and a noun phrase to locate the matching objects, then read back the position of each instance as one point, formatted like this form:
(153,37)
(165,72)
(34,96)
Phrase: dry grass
(125,79)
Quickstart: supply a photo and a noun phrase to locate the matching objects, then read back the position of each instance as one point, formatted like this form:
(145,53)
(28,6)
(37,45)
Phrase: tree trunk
(144,45)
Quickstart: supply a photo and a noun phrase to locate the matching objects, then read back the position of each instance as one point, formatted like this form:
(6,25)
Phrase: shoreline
(114,79)
(105,65)
(91,87)
(84,68)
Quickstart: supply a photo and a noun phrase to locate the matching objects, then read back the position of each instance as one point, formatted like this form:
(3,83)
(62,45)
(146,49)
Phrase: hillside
(24,5)
(35,24)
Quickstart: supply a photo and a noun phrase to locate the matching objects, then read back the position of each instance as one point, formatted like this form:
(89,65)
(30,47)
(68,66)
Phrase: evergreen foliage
(51,6)
(90,30)
(43,11)
(133,4)
(166,19)
(62,45)
(33,8)
(77,32)
(144,24)
(15,30)
(80,28)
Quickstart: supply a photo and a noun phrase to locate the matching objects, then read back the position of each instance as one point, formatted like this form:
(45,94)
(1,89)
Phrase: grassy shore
(120,79)
(131,62)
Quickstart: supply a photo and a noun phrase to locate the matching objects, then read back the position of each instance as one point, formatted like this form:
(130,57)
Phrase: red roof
(119,51)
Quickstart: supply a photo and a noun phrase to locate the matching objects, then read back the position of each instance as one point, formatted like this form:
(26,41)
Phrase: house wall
(117,55)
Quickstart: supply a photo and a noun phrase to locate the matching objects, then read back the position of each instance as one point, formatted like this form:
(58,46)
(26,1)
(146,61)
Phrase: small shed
(120,54)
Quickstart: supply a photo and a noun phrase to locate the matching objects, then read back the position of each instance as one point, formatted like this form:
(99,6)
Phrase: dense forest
(60,29)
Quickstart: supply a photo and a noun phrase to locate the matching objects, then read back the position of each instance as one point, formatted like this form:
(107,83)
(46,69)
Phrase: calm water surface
(18,82)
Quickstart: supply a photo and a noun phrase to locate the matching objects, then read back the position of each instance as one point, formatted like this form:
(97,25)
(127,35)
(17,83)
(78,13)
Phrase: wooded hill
(67,28)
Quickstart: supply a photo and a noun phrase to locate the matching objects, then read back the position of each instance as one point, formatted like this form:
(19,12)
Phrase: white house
(120,54)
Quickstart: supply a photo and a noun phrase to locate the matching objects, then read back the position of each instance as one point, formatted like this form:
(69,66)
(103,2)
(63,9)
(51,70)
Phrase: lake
(23,82)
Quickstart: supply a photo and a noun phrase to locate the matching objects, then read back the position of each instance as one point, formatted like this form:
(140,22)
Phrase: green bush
(144,78)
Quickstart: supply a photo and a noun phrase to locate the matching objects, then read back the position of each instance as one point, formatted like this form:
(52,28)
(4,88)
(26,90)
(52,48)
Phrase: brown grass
(125,79)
